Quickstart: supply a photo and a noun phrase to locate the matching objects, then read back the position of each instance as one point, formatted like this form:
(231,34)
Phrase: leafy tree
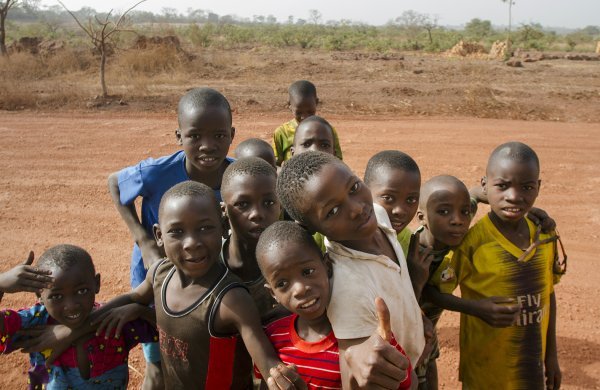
(478,29)
(413,23)
(5,7)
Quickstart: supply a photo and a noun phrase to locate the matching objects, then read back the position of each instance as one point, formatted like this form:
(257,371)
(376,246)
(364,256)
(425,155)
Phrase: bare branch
(126,12)
(76,20)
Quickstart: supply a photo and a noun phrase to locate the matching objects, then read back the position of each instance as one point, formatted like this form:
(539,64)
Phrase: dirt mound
(143,42)
(598,48)
(498,50)
(467,49)
(25,45)
(367,56)
(51,47)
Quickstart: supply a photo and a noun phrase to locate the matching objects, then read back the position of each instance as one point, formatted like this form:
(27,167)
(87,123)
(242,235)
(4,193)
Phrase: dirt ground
(53,190)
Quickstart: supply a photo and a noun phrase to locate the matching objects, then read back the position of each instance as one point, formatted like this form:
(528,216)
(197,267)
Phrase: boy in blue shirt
(205,134)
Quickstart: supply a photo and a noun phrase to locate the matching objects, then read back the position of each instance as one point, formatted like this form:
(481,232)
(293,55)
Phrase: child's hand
(285,377)
(553,373)
(116,318)
(428,333)
(540,217)
(375,362)
(24,277)
(498,312)
(418,263)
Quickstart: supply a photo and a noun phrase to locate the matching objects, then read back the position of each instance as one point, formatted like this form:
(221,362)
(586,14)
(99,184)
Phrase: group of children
(284,260)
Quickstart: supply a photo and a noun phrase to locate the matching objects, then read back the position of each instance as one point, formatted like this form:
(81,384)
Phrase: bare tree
(102,31)
(314,16)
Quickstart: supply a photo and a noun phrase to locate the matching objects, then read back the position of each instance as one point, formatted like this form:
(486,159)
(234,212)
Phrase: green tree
(5,7)
(478,29)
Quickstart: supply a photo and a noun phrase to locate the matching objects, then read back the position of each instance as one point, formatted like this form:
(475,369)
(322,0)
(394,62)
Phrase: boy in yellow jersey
(506,269)
(303,103)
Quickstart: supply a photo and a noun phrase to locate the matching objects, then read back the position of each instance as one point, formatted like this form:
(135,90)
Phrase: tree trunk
(510,2)
(102,67)
(3,51)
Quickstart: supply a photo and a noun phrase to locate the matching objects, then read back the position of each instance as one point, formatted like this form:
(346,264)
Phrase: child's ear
(539,184)
(484,184)
(232,133)
(268,287)
(292,150)
(421,217)
(97,279)
(157,234)
(178,136)
(317,101)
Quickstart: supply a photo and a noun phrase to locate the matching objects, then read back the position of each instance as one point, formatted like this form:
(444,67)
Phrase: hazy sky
(550,13)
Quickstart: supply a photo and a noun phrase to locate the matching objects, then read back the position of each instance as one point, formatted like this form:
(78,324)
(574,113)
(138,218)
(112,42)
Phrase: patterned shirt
(107,357)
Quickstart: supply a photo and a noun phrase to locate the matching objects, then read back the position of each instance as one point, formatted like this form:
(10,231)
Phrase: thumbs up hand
(375,363)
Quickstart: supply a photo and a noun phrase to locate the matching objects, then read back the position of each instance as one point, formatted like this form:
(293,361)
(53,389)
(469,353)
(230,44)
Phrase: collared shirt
(358,278)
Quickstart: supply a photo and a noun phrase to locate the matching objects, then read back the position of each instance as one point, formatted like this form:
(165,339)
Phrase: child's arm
(150,251)
(498,312)
(25,278)
(59,337)
(553,373)
(238,312)
(418,264)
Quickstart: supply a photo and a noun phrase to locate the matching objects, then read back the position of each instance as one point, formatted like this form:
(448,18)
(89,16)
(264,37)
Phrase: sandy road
(53,190)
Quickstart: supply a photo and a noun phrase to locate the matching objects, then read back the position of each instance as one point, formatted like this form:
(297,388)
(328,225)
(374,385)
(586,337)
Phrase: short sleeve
(131,184)
(279,145)
(17,320)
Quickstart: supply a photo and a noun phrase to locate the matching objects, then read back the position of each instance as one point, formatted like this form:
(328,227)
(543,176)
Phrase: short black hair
(393,159)
(516,151)
(64,257)
(200,98)
(314,118)
(302,88)
(430,185)
(188,188)
(280,232)
(293,176)
(254,146)
(250,166)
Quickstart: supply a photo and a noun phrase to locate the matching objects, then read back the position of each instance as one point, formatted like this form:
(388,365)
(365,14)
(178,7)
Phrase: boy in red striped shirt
(297,276)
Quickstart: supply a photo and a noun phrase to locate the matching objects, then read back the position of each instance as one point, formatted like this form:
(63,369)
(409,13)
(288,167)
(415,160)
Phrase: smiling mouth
(207,159)
(72,317)
(513,210)
(308,304)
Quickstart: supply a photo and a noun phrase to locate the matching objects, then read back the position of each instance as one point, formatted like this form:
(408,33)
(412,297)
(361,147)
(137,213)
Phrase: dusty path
(53,190)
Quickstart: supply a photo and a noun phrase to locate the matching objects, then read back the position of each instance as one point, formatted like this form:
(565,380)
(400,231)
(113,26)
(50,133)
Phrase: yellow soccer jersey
(283,140)
(485,265)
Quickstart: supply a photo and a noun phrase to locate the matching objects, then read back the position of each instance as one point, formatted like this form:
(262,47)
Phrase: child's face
(190,231)
(251,205)
(398,192)
(297,279)
(447,216)
(313,136)
(71,299)
(303,106)
(511,188)
(338,204)
(205,135)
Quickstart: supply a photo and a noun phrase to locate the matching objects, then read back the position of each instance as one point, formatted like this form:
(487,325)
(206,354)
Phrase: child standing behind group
(506,255)
(303,103)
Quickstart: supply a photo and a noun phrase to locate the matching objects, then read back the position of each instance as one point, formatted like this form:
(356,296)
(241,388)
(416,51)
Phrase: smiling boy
(205,134)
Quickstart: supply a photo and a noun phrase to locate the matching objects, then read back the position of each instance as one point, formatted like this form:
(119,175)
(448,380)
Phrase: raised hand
(25,278)
(418,262)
